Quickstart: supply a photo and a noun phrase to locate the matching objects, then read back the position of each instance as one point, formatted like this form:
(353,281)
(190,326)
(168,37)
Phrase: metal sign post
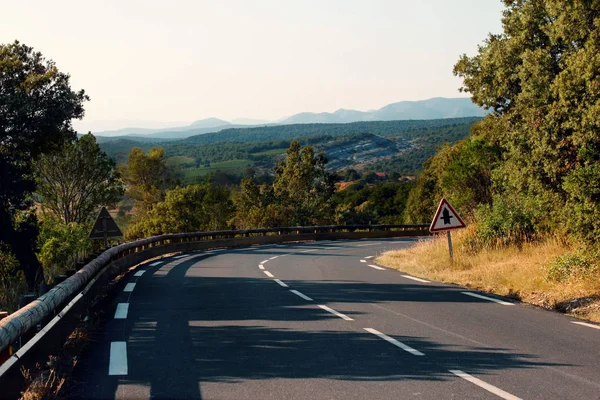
(450,246)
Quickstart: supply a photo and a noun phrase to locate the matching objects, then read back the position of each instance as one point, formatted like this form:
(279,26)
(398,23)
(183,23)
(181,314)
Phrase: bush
(503,224)
(573,266)
(61,245)
(12,280)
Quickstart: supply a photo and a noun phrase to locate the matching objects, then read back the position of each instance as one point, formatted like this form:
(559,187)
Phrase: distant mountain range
(436,108)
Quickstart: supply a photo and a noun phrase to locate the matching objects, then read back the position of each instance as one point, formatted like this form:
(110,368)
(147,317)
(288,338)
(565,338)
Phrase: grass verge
(520,273)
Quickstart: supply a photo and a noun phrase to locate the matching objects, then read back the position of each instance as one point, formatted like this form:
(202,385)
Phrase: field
(272,152)
(178,160)
(225,166)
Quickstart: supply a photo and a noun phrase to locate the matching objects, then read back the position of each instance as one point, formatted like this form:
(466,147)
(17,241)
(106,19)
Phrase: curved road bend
(322,321)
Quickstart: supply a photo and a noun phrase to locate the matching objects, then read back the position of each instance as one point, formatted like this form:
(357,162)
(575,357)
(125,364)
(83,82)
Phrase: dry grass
(512,272)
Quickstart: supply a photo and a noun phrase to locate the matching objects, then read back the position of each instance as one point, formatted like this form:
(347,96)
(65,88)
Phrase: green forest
(410,143)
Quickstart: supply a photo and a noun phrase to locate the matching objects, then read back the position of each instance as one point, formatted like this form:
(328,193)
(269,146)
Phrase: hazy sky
(179,61)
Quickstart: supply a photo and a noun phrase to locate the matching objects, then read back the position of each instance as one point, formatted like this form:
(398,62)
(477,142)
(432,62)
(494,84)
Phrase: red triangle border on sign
(437,215)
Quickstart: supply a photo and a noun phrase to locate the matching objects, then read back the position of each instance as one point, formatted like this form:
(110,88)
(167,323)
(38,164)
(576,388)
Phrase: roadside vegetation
(527,177)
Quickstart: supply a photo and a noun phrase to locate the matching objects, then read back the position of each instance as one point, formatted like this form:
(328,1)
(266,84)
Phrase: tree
(36,109)
(351,175)
(146,177)
(541,80)
(189,209)
(76,180)
(304,186)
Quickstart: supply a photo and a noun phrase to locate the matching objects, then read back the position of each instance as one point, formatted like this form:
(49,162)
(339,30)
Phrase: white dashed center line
(588,325)
(415,279)
(367,244)
(129,287)
(394,342)
(139,273)
(376,267)
(267,273)
(490,388)
(260,266)
(121,312)
(305,297)
(331,310)
(363,261)
(272,258)
(118,358)
(369,257)
(280,283)
(504,303)
(181,256)
(154,264)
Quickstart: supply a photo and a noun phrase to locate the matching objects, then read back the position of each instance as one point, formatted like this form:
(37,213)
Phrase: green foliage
(351,175)
(192,208)
(507,222)
(541,79)
(303,186)
(12,280)
(61,244)
(146,177)
(462,173)
(381,203)
(36,109)
(74,182)
(580,265)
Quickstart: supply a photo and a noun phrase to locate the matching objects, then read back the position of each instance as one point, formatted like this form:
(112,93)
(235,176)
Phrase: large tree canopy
(75,181)
(541,80)
(36,109)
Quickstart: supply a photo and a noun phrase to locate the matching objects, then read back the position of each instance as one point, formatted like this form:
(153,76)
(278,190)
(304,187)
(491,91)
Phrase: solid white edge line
(394,342)
(280,283)
(339,314)
(270,275)
(366,258)
(484,385)
(154,264)
(272,258)
(129,287)
(260,266)
(118,358)
(305,297)
(363,261)
(121,311)
(139,273)
(368,244)
(376,267)
(585,324)
(415,279)
(504,303)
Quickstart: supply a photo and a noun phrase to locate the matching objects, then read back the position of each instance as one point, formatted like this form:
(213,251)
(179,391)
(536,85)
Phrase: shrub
(61,245)
(503,224)
(573,266)
(12,280)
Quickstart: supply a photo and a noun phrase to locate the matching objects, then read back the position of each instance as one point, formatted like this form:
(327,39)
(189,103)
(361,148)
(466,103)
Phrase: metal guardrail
(54,315)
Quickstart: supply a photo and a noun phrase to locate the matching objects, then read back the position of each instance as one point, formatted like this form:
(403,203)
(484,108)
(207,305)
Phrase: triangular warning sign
(105,226)
(446,218)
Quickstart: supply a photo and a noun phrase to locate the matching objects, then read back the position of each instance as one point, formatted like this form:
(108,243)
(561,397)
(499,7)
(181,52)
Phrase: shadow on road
(185,330)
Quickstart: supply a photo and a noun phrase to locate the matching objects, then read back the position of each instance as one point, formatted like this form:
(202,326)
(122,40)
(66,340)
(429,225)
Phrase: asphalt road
(322,321)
